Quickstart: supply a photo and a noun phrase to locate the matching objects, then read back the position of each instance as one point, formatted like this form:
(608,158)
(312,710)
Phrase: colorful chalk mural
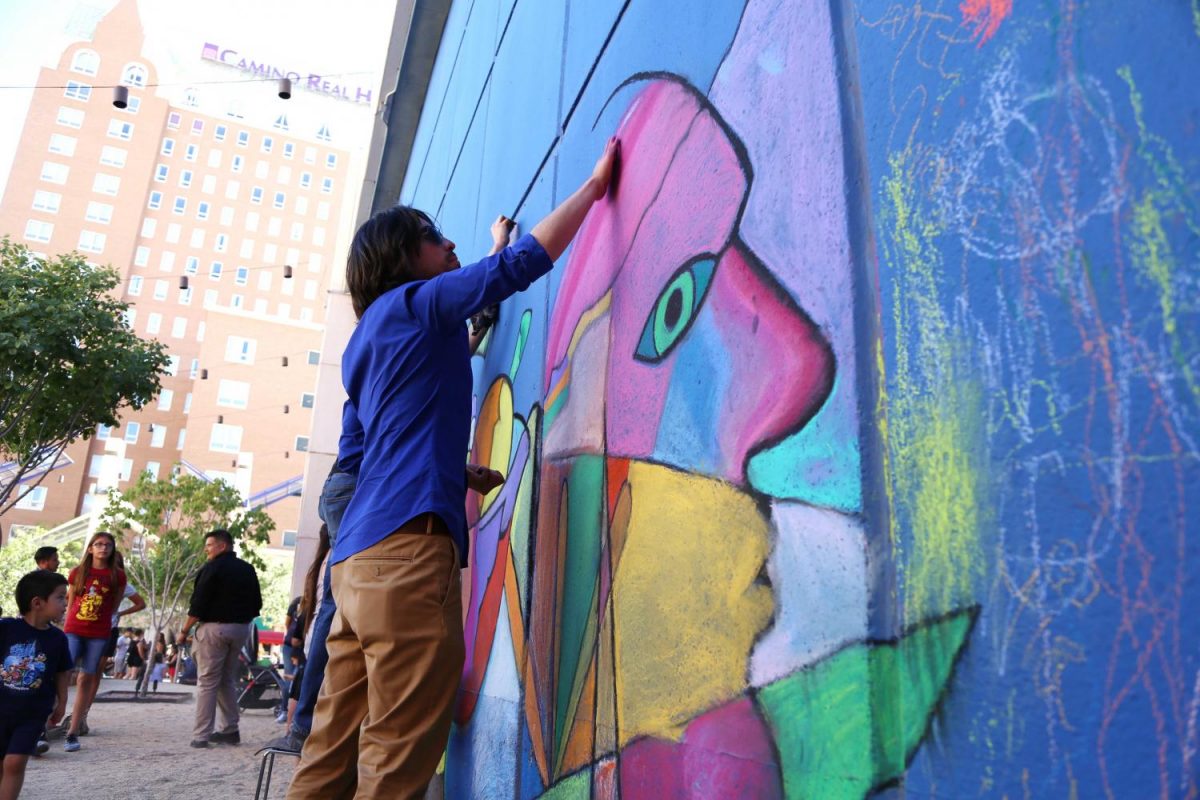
(850,447)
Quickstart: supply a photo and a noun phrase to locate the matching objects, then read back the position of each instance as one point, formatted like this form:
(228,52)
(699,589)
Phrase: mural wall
(851,449)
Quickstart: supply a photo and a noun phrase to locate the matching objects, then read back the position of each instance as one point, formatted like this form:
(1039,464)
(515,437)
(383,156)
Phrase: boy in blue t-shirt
(35,664)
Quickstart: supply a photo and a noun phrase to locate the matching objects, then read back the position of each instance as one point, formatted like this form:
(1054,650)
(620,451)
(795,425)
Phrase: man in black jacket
(225,600)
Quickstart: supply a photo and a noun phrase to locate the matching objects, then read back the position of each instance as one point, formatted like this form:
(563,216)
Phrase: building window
(192,265)
(152,468)
(310,155)
(233,394)
(215,271)
(243,138)
(130,316)
(202,210)
(297,231)
(256,194)
(252,221)
(190,98)
(119,129)
(78,91)
(102,432)
(106,184)
(238,163)
(134,75)
(195,369)
(280,123)
(327,186)
(289,150)
(197,127)
(214,158)
(38,231)
(135,285)
(240,350)
(301,444)
(53,172)
(165,398)
(180,206)
(219,133)
(161,172)
(323,133)
(190,152)
(155,200)
(289,538)
(331,160)
(187,403)
(154,323)
(314,356)
(158,437)
(70,117)
(185,299)
(179,327)
(305,180)
(99,212)
(141,256)
(172,365)
(280,200)
(85,62)
(91,242)
(185,178)
(210,298)
(222,243)
(113,156)
(48,202)
(307,399)
(131,106)
(284,176)
(173,120)
(243,276)
(275,226)
(225,438)
(149,227)
(167,262)
(209,185)
(182,439)
(132,429)
(62,144)
(33,499)
(160,290)
(262,169)
(267,144)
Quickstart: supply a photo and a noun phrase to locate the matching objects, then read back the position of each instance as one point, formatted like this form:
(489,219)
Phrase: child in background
(33,674)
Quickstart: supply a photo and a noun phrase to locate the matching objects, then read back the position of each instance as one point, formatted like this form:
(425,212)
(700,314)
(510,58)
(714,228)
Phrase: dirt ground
(139,751)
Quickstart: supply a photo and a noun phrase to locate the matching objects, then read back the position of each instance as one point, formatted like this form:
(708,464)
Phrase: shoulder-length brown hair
(309,599)
(382,254)
(85,563)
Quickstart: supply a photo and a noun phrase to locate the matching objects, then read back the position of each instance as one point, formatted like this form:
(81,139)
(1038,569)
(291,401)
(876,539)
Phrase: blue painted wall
(957,438)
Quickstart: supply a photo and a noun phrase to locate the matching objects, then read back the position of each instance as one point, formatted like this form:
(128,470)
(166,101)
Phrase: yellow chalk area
(687,610)
(494,434)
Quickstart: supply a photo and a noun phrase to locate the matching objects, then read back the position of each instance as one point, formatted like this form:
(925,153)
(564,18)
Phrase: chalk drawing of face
(672,357)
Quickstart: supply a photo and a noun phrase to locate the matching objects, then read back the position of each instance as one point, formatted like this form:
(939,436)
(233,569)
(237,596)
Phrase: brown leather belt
(428,523)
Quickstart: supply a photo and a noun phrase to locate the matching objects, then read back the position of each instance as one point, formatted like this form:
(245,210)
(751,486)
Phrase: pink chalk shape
(726,752)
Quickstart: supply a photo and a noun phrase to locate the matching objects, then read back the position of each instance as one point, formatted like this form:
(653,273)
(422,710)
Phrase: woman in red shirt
(94,590)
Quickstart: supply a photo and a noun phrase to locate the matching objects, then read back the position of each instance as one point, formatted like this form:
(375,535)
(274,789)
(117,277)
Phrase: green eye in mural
(675,309)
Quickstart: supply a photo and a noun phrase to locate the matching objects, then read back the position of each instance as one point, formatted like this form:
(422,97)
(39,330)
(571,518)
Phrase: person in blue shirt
(396,647)
(35,664)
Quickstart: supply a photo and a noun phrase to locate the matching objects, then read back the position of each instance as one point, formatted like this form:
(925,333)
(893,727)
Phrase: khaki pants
(216,650)
(395,657)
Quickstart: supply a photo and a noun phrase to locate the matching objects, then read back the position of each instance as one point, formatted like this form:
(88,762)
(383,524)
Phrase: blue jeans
(335,496)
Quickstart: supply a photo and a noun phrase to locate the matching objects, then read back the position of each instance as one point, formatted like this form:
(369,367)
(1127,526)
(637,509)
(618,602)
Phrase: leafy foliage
(161,526)
(16,559)
(68,360)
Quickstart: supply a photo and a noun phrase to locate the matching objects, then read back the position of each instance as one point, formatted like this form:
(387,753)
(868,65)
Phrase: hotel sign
(311,81)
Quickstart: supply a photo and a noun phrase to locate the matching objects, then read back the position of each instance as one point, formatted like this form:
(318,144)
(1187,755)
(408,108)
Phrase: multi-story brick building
(224,234)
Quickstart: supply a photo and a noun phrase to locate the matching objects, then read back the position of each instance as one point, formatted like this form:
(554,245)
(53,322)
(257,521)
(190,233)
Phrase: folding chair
(263,790)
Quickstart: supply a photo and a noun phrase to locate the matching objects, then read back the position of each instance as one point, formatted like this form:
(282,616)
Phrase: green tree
(16,559)
(68,360)
(161,526)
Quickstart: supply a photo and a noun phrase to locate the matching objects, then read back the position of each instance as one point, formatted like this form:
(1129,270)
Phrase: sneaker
(72,743)
(42,746)
(226,738)
(200,744)
(281,717)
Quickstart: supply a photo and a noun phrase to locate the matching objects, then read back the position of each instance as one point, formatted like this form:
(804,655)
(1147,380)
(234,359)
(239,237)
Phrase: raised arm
(557,230)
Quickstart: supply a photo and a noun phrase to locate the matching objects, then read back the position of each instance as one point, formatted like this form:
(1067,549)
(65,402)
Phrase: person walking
(95,587)
(396,647)
(225,600)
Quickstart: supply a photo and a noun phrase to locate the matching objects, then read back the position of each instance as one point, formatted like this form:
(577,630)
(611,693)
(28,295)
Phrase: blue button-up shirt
(407,373)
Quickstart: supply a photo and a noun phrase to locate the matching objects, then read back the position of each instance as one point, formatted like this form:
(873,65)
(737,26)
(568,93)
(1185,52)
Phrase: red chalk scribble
(985,16)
